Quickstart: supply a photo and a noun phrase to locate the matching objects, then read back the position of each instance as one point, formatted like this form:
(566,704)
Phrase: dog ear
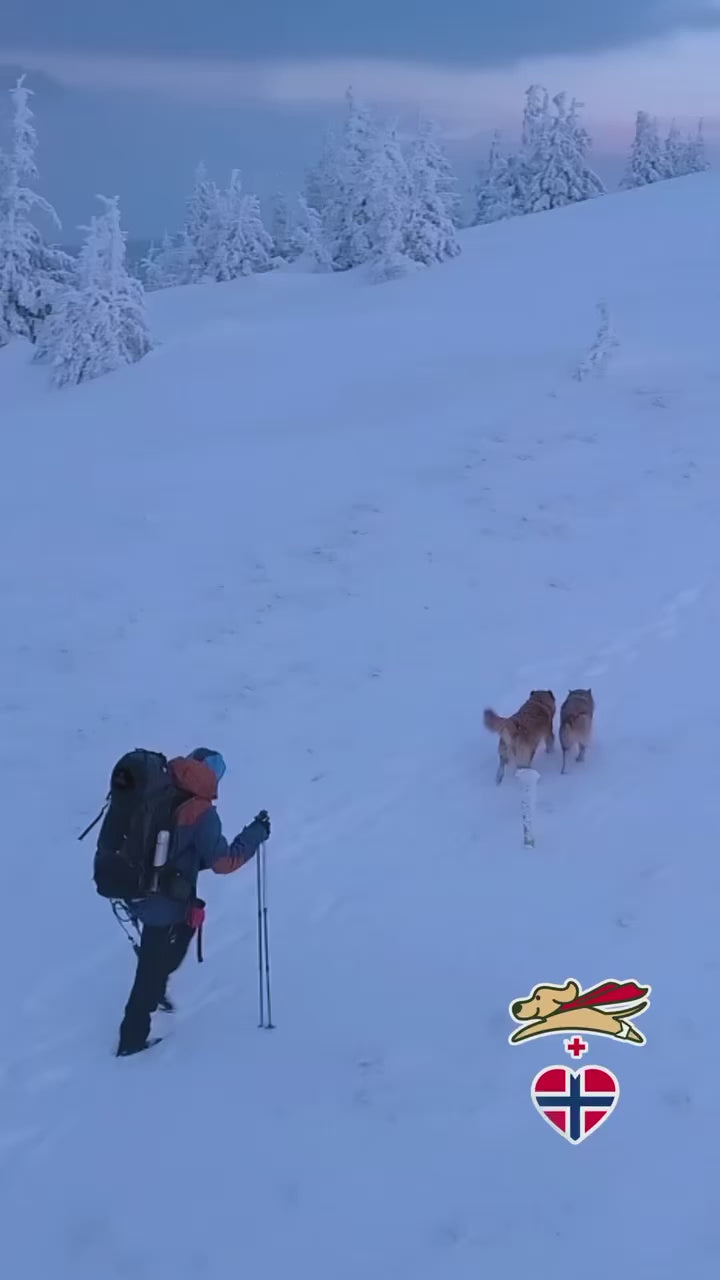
(570,991)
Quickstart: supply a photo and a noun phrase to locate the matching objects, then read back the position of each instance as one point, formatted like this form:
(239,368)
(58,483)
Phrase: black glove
(263,818)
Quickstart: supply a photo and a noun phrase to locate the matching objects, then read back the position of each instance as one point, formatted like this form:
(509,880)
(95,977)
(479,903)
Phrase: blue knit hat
(212,759)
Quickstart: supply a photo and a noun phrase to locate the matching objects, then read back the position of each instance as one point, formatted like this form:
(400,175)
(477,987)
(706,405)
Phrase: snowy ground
(320,528)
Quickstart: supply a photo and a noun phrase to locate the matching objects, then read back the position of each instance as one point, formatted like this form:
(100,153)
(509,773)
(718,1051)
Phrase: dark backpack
(141,802)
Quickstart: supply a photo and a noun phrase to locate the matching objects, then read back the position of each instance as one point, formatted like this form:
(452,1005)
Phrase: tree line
(374,199)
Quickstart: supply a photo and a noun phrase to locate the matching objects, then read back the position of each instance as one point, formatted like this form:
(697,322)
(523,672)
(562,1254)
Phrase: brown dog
(522,733)
(576,721)
(606,1009)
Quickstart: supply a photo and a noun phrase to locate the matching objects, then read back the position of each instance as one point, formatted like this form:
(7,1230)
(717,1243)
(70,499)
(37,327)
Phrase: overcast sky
(129,97)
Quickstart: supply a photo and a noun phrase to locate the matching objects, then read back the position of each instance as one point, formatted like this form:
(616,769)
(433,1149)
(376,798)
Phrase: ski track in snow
(340,571)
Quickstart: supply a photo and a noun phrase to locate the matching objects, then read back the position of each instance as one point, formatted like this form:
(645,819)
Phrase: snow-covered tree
(164,265)
(696,160)
(430,234)
(99,323)
(646,162)
(684,153)
(378,206)
(202,231)
(386,198)
(589,184)
(536,117)
(533,143)
(283,229)
(348,178)
(310,237)
(674,152)
(243,244)
(223,237)
(558,172)
(32,272)
(184,258)
(439,162)
(496,188)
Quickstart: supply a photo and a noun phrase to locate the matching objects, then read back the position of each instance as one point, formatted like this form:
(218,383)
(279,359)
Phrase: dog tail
(577,725)
(493,721)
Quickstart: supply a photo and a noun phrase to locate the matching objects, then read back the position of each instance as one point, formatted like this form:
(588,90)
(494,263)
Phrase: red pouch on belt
(196,914)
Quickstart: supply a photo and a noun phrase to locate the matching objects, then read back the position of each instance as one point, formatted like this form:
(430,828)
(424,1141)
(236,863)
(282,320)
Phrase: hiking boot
(126,1052)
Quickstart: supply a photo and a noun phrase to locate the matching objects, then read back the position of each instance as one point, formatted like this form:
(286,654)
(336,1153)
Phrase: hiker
(170,918)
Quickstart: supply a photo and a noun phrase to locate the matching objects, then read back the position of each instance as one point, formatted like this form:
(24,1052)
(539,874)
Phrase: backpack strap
(95,821)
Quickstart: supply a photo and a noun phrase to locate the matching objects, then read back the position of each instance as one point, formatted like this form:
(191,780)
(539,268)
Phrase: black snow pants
(162,950)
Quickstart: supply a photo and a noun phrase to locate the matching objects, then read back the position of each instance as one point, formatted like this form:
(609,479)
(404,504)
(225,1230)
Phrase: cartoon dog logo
(602,1010)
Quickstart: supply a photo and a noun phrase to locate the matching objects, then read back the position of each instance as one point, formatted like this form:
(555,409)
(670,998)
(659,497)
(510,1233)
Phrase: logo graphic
(602,1010)
(575,1103)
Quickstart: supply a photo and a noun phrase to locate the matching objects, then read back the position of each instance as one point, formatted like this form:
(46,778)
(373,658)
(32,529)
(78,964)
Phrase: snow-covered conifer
(430,234)
(439,162)
(99,323)
(379,207)
(347,179)
(32,272)
(202,232)
(243,244)
(258,250)
(385,200)
(164,265)
(558,170)
(496,187)
(675,152)
(696,160)
(533,147)
(223,237)
(536,117)
(646,162)
(283,230)
(310,237)
(588,182)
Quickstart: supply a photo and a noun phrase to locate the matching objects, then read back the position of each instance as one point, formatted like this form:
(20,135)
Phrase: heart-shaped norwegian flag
(575,1103)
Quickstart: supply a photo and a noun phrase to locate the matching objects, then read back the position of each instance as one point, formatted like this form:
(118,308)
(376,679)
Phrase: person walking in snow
(168,925)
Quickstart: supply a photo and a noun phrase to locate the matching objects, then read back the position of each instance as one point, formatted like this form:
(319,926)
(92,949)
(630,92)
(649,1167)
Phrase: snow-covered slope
(320,528)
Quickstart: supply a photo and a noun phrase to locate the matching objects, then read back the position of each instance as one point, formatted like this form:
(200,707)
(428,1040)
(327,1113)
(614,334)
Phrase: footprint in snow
(370,1069)
(449,1234)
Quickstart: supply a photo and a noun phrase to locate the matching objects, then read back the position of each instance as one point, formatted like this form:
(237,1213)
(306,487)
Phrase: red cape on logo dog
(608,993)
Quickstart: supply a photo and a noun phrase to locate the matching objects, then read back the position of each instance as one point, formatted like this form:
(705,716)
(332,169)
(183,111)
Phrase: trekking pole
(270,1024)
(261,1023)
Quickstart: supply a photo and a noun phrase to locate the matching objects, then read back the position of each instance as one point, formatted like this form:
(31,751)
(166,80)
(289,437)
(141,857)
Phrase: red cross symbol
(575,1047)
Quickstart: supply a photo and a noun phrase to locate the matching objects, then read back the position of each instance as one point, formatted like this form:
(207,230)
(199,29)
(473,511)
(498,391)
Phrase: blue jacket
(197,842)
